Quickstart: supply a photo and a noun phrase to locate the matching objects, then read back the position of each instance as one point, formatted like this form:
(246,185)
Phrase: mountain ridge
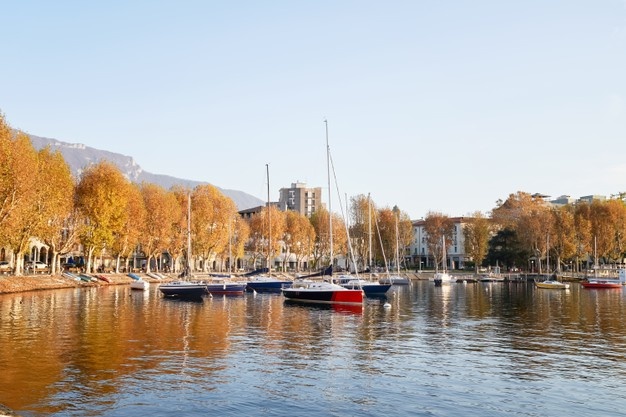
(79,156)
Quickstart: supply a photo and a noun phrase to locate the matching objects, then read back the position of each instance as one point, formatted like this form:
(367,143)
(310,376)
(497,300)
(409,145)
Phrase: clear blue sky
(441,106)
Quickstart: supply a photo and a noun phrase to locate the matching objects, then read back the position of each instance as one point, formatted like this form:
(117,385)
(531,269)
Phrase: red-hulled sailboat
(324,292)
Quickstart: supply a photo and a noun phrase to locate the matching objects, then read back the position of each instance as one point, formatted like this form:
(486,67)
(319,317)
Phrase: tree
(102,198)
(211,214)
(55,191)
(530,218)
(18,189)
(362,216)
(128,238)
(162,209)
(582,233)
(298,230)
(438,227)
(562,240)
(322,246)
(476,233)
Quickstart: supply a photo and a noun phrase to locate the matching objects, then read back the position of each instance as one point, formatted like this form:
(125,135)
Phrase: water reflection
(113,351)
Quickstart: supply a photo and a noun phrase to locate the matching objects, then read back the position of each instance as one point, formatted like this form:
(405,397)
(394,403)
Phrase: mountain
(79,156)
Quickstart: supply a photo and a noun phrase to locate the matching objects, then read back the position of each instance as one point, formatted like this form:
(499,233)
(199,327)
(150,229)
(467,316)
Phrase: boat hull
(552,285)
(268,286)
(322,296)
(394,280)
(226,288)
(601,284)
(183,290)
(369,289)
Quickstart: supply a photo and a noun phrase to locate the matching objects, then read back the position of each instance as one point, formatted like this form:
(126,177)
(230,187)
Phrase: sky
(432,106)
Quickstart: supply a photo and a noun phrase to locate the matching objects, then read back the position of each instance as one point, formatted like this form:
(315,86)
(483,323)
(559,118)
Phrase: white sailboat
(550,283)
(443,277)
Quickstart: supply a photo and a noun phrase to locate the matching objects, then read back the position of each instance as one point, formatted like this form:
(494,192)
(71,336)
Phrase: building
(300,198)
(455,250)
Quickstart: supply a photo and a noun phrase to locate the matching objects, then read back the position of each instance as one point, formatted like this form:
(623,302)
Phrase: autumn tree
(128,238)
(322,247)
(211,214)
(582,239)
(404,232)
(529,216)
(180,233)
(386,222)
(562,240)
(102,198)
(298,231)
(362,216)
(19,190)
(55,201)
(161,210)
(438,228)
(476,233)
(266,228)
(302,241)
(240,235)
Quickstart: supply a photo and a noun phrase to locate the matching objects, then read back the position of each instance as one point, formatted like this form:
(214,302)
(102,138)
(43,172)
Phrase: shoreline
(11,284)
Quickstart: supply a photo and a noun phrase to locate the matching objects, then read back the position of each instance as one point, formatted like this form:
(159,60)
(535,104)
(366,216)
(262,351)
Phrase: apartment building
(300,198)
(455,249)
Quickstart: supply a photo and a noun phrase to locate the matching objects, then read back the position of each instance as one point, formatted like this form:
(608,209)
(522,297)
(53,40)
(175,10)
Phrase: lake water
(459,350)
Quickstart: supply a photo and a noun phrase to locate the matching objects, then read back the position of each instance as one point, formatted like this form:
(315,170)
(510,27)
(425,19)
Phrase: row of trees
(524,230)
(107,215)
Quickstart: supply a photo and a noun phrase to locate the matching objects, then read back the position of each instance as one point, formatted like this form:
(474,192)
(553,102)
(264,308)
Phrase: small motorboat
(552,284)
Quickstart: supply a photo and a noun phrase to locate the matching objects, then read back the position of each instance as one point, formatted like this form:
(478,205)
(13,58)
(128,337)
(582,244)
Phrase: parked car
(5,267)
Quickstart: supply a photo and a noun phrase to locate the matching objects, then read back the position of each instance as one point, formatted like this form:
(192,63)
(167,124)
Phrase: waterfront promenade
(14,284)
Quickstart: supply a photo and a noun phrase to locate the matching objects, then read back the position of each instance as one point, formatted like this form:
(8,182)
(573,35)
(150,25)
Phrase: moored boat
(226,288)
(370,289)
(323,292)
(267,284)
(552,284)
(183,289)
(440,278)
(394,280)
(139,284)
(600,283)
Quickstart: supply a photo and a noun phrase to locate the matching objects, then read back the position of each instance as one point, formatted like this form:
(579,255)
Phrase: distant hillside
(79,156)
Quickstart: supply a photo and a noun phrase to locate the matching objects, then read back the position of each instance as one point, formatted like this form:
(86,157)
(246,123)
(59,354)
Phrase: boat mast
(397,246)
(369,233)
(330,218)
(230,249)
(269,223)
(189,234)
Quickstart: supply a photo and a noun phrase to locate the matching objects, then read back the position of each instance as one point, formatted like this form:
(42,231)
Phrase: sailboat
(325,292)
(267,283)
(601,283)
(184,288)
(370,288)
(443,277)
(550,284)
